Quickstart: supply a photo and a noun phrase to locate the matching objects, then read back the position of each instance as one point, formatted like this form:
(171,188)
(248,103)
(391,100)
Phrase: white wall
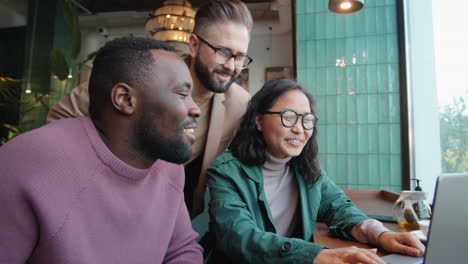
(270,45)
(92,39)
(268,48)
(268,51)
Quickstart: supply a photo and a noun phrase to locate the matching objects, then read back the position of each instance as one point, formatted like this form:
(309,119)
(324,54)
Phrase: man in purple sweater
(101,189)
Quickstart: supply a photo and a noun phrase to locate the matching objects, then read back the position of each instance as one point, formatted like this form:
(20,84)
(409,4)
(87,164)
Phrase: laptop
(448,232)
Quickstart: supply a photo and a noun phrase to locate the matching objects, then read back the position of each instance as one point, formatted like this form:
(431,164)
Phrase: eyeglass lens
(224,55)
(289,119)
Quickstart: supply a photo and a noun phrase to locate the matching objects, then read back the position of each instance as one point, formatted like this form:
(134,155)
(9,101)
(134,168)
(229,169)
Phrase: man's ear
(123,98)
(258,123)
(194,43)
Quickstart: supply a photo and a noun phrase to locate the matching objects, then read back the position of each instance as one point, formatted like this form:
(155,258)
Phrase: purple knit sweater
(65,198)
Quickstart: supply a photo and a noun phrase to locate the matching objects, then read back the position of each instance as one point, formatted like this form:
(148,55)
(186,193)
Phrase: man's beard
(175,151)
(155,146)
(207,80)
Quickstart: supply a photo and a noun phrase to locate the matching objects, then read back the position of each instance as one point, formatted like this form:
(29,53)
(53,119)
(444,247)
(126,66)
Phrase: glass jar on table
(413,211)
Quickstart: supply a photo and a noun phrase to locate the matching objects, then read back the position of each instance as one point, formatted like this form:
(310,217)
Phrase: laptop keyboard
(402,259)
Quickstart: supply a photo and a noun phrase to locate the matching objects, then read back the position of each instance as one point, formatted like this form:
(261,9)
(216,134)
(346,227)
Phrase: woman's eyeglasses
(289,118)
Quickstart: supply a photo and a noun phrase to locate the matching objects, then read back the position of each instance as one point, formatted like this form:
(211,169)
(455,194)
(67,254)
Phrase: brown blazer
(226,112)
(73,104)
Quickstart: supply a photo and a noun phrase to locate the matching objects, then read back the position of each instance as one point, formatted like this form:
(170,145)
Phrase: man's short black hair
(127,60)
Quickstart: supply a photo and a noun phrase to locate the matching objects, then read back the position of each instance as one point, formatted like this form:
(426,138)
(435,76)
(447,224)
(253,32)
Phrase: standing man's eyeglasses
(289,119)
(223,55)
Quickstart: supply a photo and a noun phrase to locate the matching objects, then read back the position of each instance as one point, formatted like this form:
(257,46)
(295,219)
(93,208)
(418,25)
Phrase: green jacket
(241,227)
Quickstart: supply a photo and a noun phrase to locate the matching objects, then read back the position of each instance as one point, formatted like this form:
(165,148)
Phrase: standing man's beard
(207,80)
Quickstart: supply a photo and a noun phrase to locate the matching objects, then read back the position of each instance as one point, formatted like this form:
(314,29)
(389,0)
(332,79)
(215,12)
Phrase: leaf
(58,64)
(13,131)
(11,128)
(454,138)
(9,91)
(6,90)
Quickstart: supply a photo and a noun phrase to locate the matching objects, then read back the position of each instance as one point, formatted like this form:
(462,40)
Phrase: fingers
(416,247)
(368,256)
(410,251)
(404,243)
(348,255)
(364,256)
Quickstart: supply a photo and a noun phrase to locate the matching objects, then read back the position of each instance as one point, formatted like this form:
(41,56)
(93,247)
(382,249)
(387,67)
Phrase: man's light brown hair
(222,11)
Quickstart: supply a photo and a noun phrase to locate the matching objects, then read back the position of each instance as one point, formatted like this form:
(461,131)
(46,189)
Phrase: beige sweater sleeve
(368,231)
(73,104)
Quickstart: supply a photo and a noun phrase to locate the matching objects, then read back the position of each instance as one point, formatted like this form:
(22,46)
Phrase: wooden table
(323,236)
(371,202)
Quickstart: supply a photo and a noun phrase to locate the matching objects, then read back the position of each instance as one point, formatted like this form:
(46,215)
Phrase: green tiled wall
(350,64)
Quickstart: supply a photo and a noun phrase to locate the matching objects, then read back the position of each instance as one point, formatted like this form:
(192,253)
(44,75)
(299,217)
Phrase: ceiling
(97,6)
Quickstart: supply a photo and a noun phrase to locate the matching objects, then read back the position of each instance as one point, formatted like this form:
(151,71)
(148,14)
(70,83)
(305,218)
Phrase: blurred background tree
(454,136)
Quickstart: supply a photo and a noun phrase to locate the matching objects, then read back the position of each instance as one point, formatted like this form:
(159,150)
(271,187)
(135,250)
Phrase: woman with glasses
(268,191)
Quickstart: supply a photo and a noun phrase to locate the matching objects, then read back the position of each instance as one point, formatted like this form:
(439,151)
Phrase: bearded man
(218,53)
(105,188)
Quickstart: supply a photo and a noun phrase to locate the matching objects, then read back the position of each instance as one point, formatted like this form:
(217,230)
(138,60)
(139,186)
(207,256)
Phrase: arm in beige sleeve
(73,104)
(368,231)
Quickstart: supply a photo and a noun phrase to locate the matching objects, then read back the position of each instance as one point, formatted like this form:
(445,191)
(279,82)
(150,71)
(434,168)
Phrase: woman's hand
(404,243)
(348,255)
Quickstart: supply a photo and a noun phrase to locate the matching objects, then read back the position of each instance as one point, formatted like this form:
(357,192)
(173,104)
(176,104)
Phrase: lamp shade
(345,6)
(172,22)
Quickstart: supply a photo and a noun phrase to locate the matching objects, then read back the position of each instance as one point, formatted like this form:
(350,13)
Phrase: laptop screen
(448,233)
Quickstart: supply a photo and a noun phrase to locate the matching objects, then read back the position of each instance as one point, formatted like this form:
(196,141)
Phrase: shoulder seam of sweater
(76,198)
(174,187)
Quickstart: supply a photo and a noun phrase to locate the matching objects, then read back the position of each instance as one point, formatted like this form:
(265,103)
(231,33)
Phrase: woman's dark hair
(249,146)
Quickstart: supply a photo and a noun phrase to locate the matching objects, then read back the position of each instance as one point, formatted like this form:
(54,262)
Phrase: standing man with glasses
(218,53)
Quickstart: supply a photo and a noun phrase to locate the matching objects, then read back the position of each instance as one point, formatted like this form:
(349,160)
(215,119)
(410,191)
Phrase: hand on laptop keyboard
(403,243)
(348,255)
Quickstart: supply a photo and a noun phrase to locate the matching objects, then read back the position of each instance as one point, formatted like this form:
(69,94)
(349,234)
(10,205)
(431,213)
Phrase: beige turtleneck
(281,193)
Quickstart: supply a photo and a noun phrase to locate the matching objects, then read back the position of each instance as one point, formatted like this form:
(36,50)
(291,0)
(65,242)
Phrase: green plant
(454,136)
(10,97)
(9,91)
(32,102)
(13,131)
